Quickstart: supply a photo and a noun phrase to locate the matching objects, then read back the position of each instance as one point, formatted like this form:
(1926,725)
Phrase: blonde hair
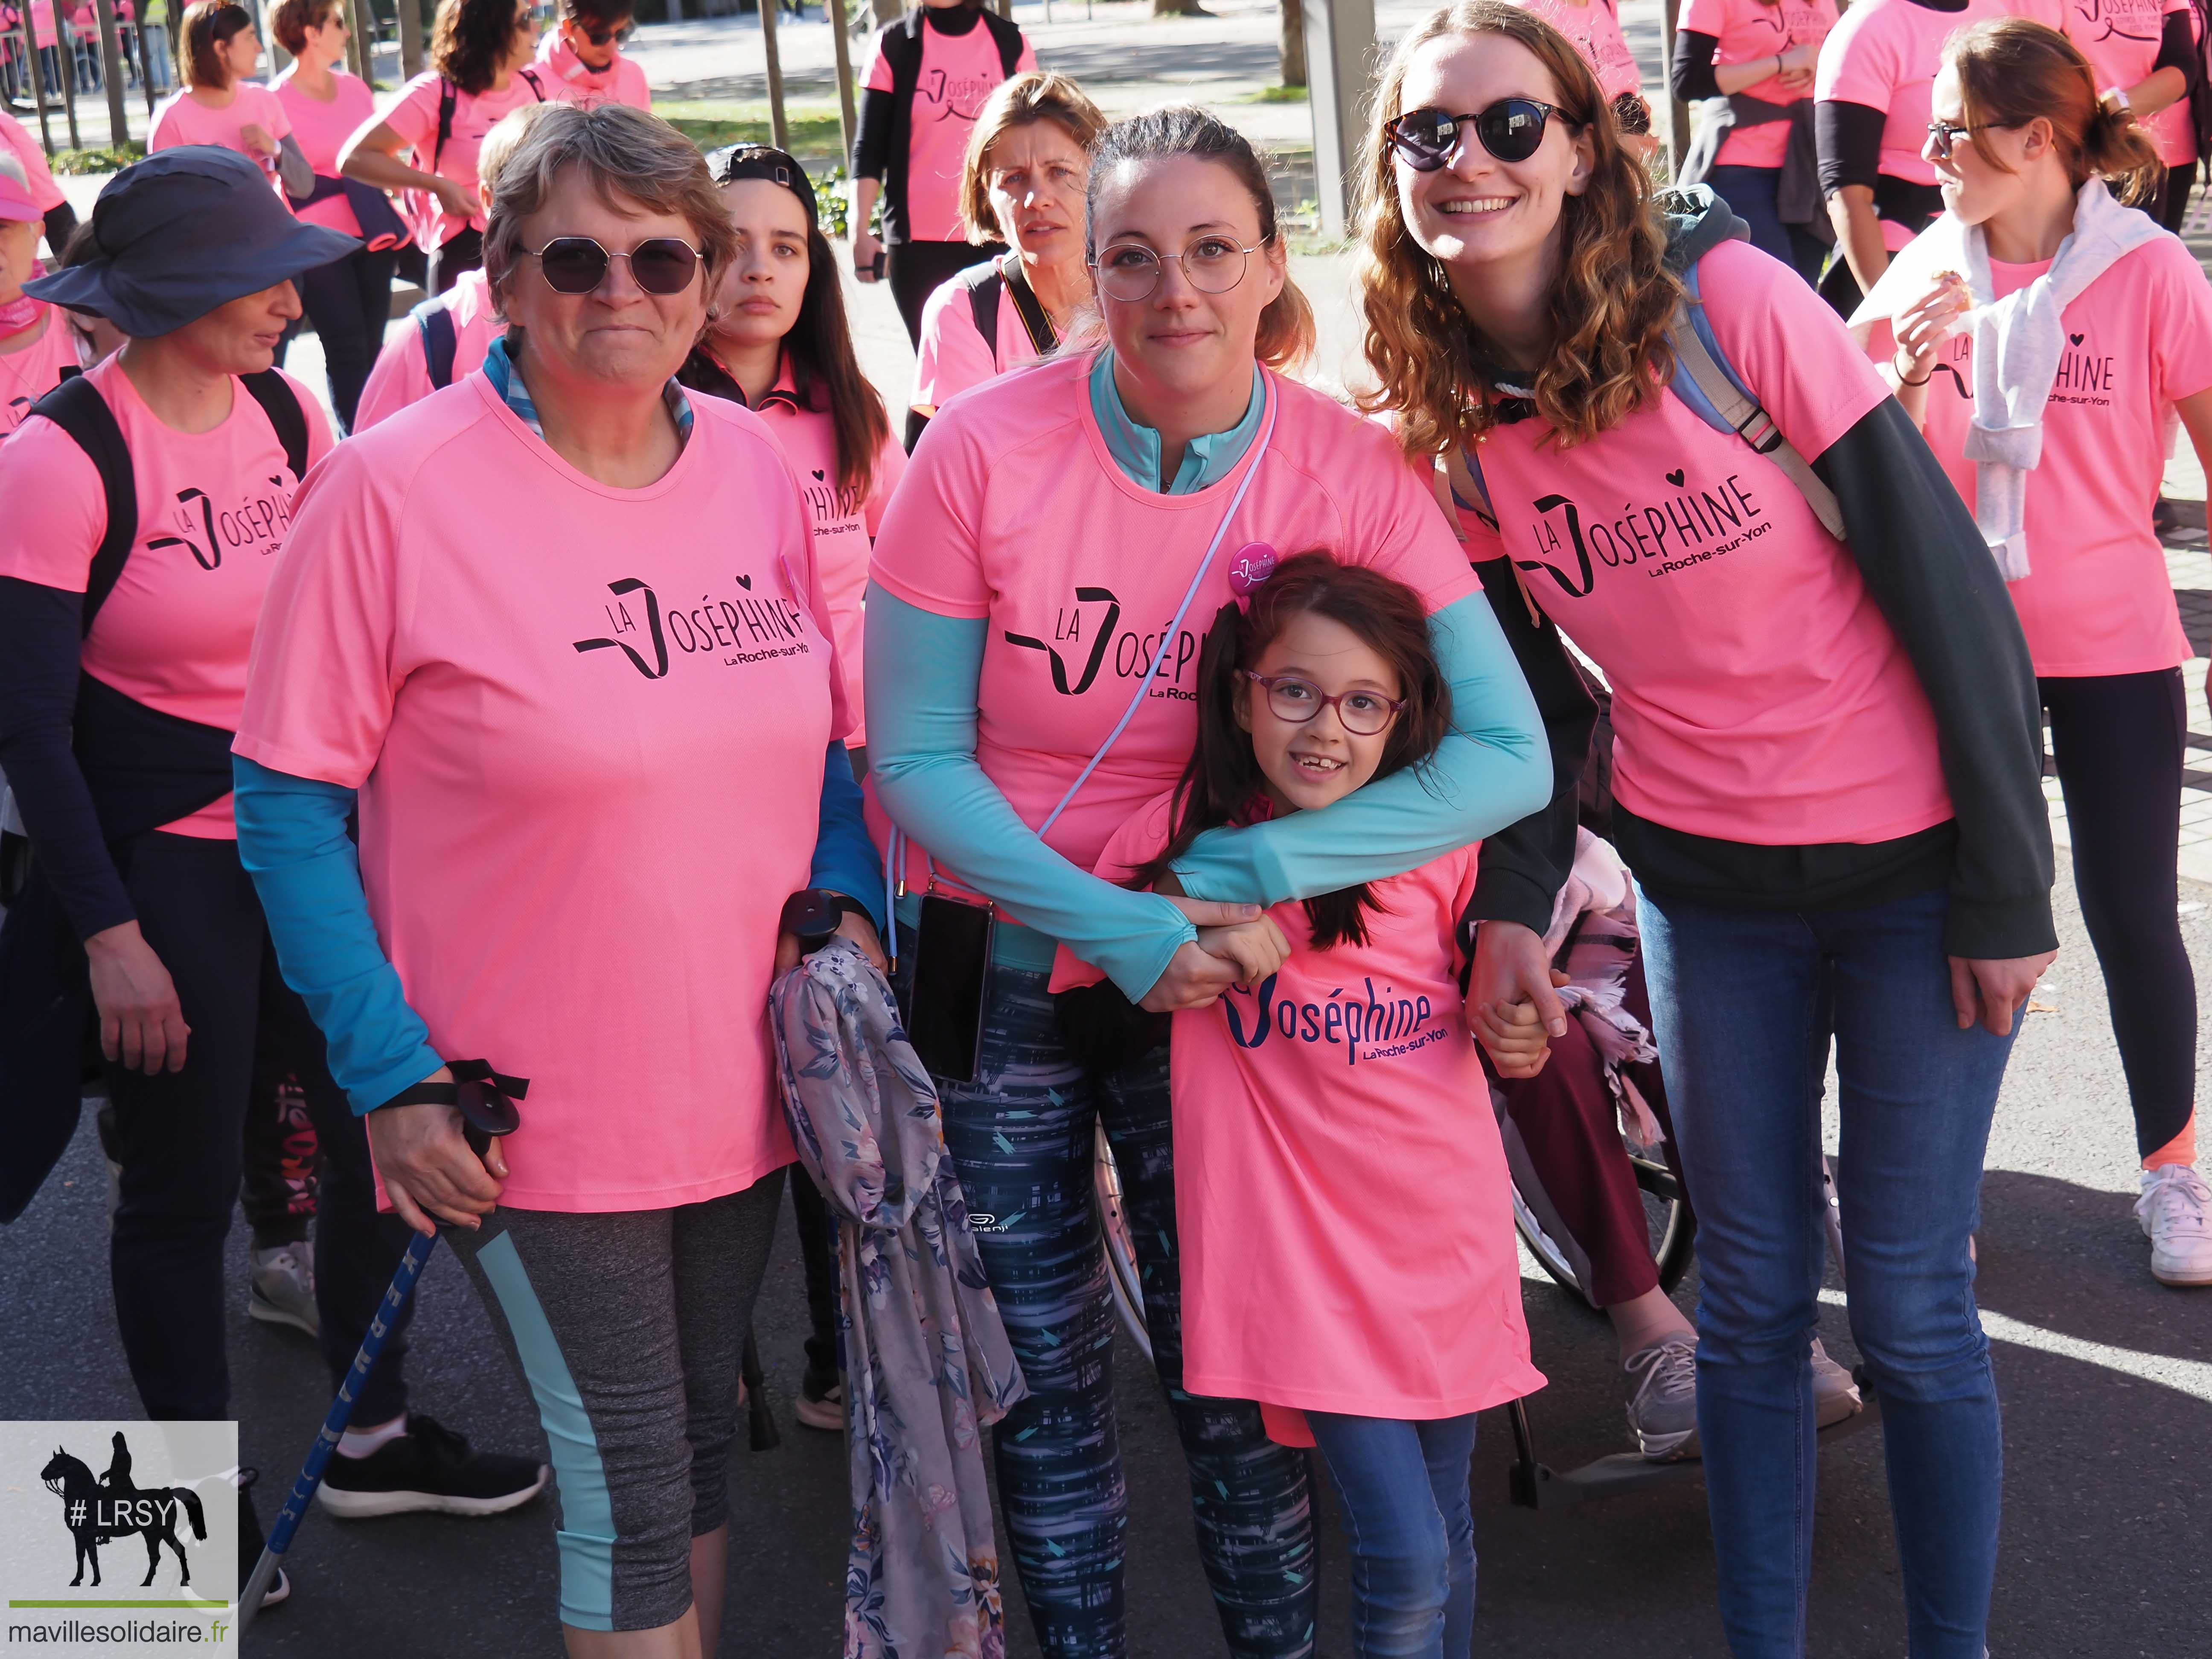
(2012,71)
(627,156)
(1032,96)
(1610,302)
(500,142)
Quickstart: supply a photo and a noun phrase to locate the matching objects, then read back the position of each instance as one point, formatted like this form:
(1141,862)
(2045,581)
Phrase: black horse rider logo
(97,1512)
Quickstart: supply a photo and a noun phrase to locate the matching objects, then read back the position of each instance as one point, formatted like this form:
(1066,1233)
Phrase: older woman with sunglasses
(1038,590)
(559,636)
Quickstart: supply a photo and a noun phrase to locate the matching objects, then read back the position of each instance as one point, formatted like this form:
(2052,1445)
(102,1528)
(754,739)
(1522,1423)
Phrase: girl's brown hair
(1610,301)
(2012,71)
(1032,96)
(207,27)
(1286,326)
(1224,777)
(470,39)
(290,20)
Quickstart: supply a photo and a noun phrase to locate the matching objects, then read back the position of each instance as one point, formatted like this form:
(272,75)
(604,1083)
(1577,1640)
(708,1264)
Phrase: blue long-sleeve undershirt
(922,673)
(292,838)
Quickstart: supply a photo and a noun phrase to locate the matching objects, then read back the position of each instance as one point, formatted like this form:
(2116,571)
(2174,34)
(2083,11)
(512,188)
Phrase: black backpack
(986,281)
(434,321)
(77,408)
(449,95)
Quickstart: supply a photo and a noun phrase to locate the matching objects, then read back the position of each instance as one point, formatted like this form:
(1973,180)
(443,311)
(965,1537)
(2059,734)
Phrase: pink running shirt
(568,77)
(1341,1193)
(215,508)
(2097,599)
(27,375)
(402,374)
(1759,695)
(25,149)
(589,778)
(184,120)
(959,72)
(953,357)
(844,528)
(1013,510)
(2120,38)
(413,116)
(1594,25)
(1747,30)
(322,130)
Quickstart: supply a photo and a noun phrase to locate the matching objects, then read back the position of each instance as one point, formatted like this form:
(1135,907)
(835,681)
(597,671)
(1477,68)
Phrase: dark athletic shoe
(429,1469)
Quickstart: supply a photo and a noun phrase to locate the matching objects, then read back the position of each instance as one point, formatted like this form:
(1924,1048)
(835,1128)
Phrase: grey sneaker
(284,1289)
(1835,1392)
(1663,1397)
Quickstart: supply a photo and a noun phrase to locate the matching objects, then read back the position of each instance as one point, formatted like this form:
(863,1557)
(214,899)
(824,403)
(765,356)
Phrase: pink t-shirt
(2097,599)
(402,374)
(1885,54)
(1759,695)
(953,357)
(322,130)
(215,508)
(568,77)
(959,72)
(1594,28)
(588,780)
(2120,38)
(1013,509)
(844,527)
(25,149)
(1341,1188)
(1747,30)
(413,116)
(184,120)
(27,375)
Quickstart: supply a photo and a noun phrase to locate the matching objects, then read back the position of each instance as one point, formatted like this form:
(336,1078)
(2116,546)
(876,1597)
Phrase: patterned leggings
(1022,1139)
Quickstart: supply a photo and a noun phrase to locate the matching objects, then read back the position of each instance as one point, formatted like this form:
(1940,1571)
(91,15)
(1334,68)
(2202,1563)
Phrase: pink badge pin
(1252,565)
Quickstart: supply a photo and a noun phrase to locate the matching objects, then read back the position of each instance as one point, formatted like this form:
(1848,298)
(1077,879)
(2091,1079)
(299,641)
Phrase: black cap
(737,161)
(184,232)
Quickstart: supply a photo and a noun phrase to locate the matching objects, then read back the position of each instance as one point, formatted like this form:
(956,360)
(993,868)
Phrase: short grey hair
(629,156)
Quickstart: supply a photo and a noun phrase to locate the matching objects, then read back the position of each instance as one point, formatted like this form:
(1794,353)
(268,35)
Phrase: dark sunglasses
(601,37)
(1513,130)
(1943,135)
(577,264)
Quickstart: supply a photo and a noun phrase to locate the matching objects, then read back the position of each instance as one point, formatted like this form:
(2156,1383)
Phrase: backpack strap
(1463,478)
(1035,320)
(448,94)
(983,284)
(1718,398)
(282,406)
(434,320)
(77,408)
(530,76)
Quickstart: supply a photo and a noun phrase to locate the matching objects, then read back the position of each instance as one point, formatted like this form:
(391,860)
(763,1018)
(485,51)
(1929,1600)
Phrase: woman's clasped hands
(1237,945)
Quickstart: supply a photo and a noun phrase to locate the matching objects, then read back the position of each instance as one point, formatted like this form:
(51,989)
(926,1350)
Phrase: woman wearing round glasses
(1827,760)
(587,780)
(1034,617)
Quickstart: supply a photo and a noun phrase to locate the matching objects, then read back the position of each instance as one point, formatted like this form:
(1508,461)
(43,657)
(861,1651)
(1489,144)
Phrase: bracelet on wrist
(1906,379)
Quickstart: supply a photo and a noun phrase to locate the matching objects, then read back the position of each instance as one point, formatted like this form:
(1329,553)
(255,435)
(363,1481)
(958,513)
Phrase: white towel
(2018,342)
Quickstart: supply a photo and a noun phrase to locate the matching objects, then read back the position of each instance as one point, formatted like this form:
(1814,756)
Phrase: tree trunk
(1290,44)
(410,39)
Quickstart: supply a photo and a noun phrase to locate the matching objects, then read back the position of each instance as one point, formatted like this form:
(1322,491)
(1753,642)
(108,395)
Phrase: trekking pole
(319,1456)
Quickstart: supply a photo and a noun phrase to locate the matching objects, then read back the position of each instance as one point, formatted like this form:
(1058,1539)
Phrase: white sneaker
(1835,1392)
(283,1291)
(2175,1212)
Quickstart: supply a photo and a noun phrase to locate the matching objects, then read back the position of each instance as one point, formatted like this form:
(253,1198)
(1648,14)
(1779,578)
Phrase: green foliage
(710,123)
(110,160)
(1275,95)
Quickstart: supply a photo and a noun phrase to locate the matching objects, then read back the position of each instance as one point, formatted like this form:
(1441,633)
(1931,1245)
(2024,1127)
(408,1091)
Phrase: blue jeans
(1403,1486)
(1744,1004)
(1751,195)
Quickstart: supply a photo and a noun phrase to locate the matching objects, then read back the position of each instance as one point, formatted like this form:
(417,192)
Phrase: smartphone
(952,972)
(876,265)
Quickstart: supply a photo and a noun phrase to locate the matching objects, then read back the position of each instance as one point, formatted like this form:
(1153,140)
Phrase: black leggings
(2169,204)
(349,301)
(178,1137)
(917,270)
(2117,739)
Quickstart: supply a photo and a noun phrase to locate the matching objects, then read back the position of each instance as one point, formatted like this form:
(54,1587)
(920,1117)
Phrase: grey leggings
(629,1326)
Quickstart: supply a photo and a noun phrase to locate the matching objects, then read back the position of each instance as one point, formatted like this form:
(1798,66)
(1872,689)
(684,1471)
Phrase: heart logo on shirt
(1676,476)
(2077,338)
(818,474)
(745,582)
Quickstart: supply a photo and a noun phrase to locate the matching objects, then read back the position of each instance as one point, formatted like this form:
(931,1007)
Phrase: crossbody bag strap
(1027,305)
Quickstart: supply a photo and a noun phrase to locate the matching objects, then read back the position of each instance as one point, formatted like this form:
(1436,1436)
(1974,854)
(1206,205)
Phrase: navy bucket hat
(184,232)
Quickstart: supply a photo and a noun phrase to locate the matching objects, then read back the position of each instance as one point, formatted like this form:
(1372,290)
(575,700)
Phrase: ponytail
(2012,71)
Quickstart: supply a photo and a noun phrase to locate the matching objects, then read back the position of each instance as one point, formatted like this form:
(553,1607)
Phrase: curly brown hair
(1610,303)
(471,39)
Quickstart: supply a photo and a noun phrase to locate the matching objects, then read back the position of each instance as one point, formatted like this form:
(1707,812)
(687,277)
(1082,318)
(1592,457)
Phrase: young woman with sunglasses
(2099,369)
(1028,160)
(570,715)
(1037,595)
(582,56)
(480,50)
(927,76)
(220,106)
(1756,58)
(1827,764)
